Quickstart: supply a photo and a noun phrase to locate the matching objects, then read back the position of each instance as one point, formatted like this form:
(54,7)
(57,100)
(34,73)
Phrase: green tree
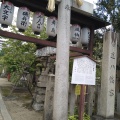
(1,61)
(109,10)
(98,44)
(17,54)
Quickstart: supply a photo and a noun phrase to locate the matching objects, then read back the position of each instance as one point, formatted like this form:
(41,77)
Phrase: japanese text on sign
(84,71)
(7,9)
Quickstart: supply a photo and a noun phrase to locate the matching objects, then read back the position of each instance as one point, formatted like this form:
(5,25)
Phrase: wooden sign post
(81,104)
(84,73)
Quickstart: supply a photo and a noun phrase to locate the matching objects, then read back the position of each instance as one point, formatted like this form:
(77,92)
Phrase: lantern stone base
(101,118)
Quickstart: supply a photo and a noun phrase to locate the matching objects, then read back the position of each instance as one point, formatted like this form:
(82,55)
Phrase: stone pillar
(97,98)
(118,103)
(91,96)
(108,78)
(39,97)
(118,66)
(60,109)
(118,77)
(72,99)
(48,105)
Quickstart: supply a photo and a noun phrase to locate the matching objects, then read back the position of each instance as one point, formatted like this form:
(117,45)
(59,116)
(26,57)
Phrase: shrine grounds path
(15,106)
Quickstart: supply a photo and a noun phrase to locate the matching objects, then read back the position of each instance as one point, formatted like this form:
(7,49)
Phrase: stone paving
(16,109)
(4,115)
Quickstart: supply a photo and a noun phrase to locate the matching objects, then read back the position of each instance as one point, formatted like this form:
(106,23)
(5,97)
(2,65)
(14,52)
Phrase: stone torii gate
(68,13)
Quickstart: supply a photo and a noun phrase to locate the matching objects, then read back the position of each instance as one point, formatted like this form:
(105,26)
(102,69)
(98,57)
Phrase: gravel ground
(18,112)
(17,103)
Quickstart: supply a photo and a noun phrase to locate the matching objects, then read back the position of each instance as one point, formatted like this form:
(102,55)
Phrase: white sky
(91,1)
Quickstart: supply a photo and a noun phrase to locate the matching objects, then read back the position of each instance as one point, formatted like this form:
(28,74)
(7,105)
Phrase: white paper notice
(84,71)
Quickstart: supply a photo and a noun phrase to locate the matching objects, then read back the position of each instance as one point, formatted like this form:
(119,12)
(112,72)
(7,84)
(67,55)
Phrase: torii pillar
(60,105)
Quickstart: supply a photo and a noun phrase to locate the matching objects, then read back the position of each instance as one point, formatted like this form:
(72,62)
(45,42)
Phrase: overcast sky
(91,1)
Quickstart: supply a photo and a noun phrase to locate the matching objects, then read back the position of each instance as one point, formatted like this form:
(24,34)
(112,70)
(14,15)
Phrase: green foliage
(86,117)
(1,69)
(15,76)
(75,117)
(98,45)
(1,53)
(97,51)
(109,10)
(1,61)
(98,70)
(18,55)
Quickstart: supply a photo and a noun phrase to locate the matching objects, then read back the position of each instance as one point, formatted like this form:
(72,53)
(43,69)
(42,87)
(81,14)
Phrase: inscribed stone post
(107,94)
(118,75)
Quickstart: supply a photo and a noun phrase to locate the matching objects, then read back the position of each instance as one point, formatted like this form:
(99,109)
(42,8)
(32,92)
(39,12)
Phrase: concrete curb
(3,109)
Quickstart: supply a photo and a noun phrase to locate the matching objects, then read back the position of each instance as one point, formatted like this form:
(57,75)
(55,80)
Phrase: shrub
(75,117)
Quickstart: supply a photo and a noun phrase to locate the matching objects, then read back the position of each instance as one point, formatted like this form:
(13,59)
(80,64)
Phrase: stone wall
(39,96)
